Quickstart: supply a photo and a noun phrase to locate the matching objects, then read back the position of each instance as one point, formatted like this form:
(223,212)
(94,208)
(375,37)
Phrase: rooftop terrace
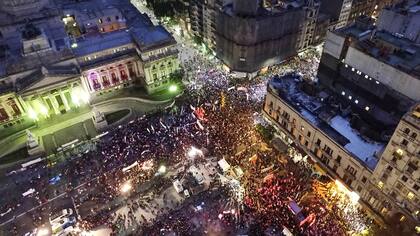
(327,117)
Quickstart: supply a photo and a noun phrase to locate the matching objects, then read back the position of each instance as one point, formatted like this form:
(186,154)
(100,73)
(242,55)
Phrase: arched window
(114,78)
(406,130)
(414,135)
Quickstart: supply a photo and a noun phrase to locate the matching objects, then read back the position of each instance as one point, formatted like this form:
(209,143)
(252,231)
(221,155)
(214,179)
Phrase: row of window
(108,19)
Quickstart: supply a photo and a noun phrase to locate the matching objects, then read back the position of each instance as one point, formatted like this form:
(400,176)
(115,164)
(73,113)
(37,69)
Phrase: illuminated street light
(162,169)
(126,187)
(43,232)
(173,88)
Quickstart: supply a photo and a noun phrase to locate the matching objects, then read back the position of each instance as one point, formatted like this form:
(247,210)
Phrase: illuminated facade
(44,72)
(396,177)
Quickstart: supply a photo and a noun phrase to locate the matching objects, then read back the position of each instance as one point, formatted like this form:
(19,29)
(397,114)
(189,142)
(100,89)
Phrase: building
(256,44)
(23,7)
(396,178)
(360,64)
(383,177)
(381,4)
(57,63)
(361,8)
(338,10)
(360,120)
(402,20)
(202,16)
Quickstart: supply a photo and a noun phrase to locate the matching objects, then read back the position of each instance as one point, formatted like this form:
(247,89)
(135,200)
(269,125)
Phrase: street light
(126,187)
(173,88)
(43,231)
(162,169)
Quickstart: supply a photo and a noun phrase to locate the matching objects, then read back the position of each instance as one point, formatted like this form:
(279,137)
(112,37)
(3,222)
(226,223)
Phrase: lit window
(350,97)
(366,76)
(367,108)
(100,21)
(352,69)
(380,184)
(370,78)
(343,93)
(410,195)
(399,153)
(377,82)
(402,218)
(346,65)
(356,101)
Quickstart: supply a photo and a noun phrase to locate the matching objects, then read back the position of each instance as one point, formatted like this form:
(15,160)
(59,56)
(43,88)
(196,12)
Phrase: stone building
(44,72)
(360,120)
(396,178)
(256,43)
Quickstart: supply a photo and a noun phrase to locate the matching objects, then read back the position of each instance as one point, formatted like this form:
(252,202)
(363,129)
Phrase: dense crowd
(226,123)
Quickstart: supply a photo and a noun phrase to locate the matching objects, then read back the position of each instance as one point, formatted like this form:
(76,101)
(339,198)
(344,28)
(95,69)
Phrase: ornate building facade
(44,72)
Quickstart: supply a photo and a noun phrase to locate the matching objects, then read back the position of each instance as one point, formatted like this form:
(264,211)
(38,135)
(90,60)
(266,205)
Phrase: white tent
(224,165)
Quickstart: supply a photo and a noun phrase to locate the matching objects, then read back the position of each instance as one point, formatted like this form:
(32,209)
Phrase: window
(406,131)
(117,17)
(404,142)
(338,158)
(100,21)
(308,134)
(108,19)
(351,170)
(380,184)
(404,178)
(302,128)
(389,168)
(410,195)
(398,153)
(416,187)
(364,179)
(414,135)
(318,142)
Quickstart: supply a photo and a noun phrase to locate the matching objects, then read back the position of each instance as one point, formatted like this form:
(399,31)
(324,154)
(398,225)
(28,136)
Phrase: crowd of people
(226,122)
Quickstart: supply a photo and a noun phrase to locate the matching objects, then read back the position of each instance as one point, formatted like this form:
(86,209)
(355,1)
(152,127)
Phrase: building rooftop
(395,51)
(327,116)
(150,37)
(97,43)
(388,48)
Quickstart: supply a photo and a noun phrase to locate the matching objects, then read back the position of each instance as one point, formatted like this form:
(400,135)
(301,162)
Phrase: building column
(63,97)
(53,102)
(127,71)
(21,105)
(109,77)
